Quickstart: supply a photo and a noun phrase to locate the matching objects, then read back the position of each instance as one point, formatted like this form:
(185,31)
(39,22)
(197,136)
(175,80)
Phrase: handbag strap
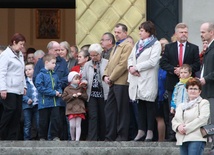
(198,110)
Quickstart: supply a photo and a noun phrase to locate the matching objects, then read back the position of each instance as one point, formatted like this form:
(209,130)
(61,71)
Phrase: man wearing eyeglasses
(107,42)
(116,75)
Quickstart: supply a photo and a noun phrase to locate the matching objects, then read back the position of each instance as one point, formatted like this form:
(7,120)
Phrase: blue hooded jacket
(47,83)
(61,70)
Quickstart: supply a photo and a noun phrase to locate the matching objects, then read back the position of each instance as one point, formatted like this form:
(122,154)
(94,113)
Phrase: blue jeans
(193,147)
(30,114)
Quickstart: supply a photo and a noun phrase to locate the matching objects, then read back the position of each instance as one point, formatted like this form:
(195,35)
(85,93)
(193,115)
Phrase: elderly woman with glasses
(188,119)
(97,91)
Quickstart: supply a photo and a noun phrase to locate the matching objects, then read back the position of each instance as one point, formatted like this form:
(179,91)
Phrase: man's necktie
(180,54)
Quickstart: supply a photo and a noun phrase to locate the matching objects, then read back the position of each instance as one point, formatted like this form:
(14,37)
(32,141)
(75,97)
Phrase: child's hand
(29,101)
(75,95)
(57,93)
(172,111)
(79,94)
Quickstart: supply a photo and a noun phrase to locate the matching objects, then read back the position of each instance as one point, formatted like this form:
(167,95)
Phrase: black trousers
(96,126)
(10,119)
(170,132)
(63,127)
(46,116)
(117,113)
(146,115)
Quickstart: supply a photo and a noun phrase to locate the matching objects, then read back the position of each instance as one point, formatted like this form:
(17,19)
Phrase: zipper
(53,85)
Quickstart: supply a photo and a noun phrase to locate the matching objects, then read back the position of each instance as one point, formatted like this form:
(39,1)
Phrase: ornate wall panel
(95,17)
(165,15)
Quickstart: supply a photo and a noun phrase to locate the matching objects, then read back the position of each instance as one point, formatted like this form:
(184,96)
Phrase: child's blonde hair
(188,67)
(48,57)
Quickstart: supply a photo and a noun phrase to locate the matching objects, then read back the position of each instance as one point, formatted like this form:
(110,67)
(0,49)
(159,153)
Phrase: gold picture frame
(47,23)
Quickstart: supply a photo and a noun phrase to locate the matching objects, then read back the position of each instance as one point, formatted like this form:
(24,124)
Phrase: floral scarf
(144,44)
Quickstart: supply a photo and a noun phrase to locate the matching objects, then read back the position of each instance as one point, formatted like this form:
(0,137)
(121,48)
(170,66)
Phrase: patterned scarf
(98,74)
(189,104)
(144,44)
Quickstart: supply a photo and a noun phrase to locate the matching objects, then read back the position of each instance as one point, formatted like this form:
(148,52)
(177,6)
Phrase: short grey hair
(39,53)
(51,44)
(95,48)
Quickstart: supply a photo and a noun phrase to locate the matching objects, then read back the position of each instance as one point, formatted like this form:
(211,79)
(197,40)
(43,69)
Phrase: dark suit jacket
(208,62)
(169,60)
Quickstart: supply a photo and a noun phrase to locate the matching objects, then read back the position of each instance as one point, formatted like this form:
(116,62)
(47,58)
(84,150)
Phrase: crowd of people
(115,90)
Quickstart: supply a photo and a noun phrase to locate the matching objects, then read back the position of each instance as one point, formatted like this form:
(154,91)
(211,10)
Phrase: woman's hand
(181,129)
(83,84)
(3,94)
(107,80)
(25,91)
(172,111)
(133,71)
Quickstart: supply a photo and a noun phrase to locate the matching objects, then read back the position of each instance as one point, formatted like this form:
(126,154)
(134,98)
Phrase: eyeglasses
(104,39)
(94,55)
(195,89)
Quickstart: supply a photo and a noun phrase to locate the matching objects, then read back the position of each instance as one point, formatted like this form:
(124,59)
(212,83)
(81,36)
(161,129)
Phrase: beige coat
(145,87)
(116,68)
(193,118)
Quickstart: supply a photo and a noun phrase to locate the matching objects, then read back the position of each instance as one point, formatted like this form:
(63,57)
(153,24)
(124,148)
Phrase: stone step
(89,148)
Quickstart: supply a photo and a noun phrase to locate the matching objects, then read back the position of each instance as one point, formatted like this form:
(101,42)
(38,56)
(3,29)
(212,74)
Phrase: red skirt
(76,115)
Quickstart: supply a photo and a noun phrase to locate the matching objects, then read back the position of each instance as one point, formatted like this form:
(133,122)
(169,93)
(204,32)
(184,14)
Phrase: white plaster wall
(194,13)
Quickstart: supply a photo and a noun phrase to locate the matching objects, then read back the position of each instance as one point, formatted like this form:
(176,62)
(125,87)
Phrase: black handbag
(207,130)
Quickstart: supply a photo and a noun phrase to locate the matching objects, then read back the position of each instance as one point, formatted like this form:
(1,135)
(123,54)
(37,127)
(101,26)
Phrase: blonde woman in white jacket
(12,87)
(188,119)
(143,64)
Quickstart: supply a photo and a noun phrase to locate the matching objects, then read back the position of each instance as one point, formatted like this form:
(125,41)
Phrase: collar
(210,44)
(110,49)
(120,41)
(184,81)
(58,59)
(29,79)
(178,43)
(17,53)
(74,85)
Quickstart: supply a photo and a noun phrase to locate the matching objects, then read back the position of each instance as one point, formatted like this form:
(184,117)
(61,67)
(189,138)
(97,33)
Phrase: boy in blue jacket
(30,103)
(179,94)
(49,88)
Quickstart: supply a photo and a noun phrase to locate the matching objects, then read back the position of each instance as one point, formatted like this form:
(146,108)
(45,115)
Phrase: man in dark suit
(172,60)
(207,72)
